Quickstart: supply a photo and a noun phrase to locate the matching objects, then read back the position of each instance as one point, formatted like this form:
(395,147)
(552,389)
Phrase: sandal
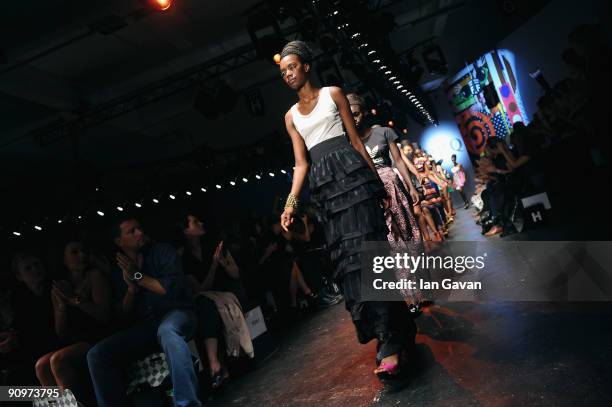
(218,379)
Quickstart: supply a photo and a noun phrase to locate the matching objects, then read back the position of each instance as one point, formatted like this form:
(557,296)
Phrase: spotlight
(376,61)
(171,196)
(395,82)
(271,174)
(188,193)
(393,78)
(79,217)
(382,67)
(388,72)
(283,171)
(400,86)
(138,205)
(245,180)
(390,123)
(120,209)
(374,112)
(371,52)
(17,233)
(203,189)
(161,5)
(218,186)
(37,228)
(405,131)
(59,221)
(100,213)
(154,201)
(232,183)
(277,58)
(257,176)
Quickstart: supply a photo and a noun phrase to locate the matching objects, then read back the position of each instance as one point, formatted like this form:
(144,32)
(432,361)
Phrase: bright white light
(188,193)
(232,183)
(395,82)
(382,67)
(138,205)
(257,176)
(203,189)
(37,228)
(245,180)
(120,209)
(393,78)
(155,200)
(171,196)
(59,221)
(400,86)
(100,213)
(376,61)
(371,52)
(218,186)
(271,174)
(17,233)
(283,171)
(388,72)
(79,217)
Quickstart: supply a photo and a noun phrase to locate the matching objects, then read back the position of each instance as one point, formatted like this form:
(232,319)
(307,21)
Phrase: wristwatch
(137,277)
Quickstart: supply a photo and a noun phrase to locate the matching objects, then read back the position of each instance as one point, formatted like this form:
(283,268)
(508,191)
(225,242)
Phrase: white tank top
(322,123)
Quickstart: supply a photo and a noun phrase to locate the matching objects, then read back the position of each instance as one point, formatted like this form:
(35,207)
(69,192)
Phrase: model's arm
(344,110)
(410,165)
(301,168)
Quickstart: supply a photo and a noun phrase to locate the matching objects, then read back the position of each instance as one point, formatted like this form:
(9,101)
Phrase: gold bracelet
(292,202)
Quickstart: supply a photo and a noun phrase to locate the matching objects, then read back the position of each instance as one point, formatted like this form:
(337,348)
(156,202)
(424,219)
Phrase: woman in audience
(204,273)
(81,306)
(28,330)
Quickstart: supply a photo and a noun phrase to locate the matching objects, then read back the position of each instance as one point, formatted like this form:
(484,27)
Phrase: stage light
(395,82)
(161,5)
(37,228)
(218,186)
(154,201)
(188,193)
(232,183)
(374,112)
(277,58)
(283,171)
(404,90)
(17,233)
(171,196)
(59,221)
(371,52)
(120,209)
(400,86)
(257,176)
(79,217)
(245,180)
(271,174)
(393,78)
(203,189)
(138,205)
(390,123)
(388,72)
(376,61)
(100,213)
(405,131)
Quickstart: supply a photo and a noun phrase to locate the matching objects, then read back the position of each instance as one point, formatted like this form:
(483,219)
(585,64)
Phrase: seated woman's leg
(43,370)
(67,365)
(210,331)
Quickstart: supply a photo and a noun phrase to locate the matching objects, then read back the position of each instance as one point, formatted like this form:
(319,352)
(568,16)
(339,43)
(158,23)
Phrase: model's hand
(59,304)
(287,218)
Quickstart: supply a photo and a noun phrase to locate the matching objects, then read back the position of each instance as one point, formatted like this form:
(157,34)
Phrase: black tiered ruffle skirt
(346,195)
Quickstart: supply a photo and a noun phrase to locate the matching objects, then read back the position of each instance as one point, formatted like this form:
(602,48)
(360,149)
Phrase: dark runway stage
(489,354)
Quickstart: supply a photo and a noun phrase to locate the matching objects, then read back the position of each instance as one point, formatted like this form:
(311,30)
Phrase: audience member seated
(152,297)
(215,280)
(27,328)
(82,311)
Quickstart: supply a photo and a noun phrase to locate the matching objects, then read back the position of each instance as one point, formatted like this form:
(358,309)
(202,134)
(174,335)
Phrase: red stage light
(162,4)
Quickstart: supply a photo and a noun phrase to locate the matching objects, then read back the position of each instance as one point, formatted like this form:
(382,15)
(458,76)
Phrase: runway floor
(468,354)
